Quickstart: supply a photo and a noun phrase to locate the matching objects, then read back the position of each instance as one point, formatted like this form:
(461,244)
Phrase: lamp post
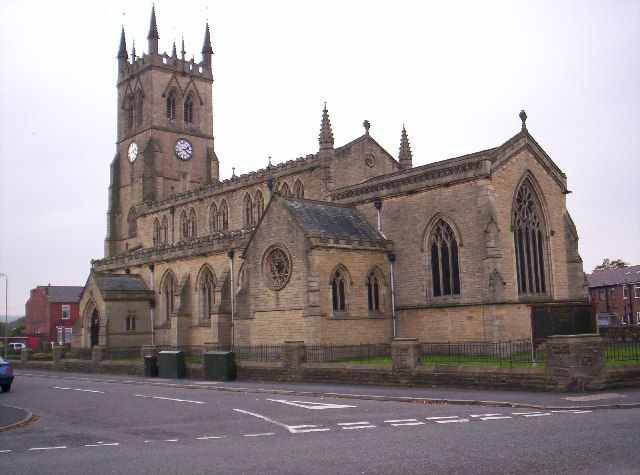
(6,313)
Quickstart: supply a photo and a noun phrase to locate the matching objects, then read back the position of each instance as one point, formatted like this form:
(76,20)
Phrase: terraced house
(348,244)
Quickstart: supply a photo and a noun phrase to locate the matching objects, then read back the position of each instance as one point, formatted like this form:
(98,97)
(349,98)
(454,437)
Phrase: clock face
(184,149)
(132,153)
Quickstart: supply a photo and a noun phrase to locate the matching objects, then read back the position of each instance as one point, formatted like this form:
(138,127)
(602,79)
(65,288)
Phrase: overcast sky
(456,73)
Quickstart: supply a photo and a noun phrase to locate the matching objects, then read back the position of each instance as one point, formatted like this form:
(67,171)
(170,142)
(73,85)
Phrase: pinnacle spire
(133,52)
(326,135)
(207,51)
(153,27)
(405,157)
(122,51)
(173,51)
(153,33)
(182,51)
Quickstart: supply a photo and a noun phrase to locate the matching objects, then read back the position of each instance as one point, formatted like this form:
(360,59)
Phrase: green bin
(171,365)
(219,366)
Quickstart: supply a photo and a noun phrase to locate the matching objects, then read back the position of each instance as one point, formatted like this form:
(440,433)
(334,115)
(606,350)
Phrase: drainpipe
(233,300)
(392,258)
(377,202)
(152,302)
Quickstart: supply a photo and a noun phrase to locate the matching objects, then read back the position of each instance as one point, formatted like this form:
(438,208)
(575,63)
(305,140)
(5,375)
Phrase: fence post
(294,353)
(576,362)
(25,355)
(57,354)
(97,353)
(405,354)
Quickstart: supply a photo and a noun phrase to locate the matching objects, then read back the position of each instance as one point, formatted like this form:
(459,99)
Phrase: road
(87,426)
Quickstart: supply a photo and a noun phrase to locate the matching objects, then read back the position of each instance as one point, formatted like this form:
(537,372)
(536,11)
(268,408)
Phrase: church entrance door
(95,328)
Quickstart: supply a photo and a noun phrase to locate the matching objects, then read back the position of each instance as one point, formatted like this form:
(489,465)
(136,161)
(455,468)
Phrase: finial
(133,52)
(233,172)
(523,118)
(269,165)
(207,51)
(183,51)
(173,52)
(122,51)
(153,27)
(367,125)
(405,157)
(326,135)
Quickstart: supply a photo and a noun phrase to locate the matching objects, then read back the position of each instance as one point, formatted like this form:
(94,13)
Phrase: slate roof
(327,219)
(63,293)
(120,282)
(601,278)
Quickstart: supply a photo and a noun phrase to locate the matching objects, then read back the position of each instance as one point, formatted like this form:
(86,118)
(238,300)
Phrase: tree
(611,264)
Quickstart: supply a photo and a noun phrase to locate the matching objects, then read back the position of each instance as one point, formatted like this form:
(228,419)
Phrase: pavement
(593,400)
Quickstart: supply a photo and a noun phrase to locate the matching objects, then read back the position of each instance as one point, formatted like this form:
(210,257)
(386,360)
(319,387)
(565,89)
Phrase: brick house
(616,295)
(52,311)
(345,245)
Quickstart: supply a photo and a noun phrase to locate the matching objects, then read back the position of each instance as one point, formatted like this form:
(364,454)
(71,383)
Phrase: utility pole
(6,313)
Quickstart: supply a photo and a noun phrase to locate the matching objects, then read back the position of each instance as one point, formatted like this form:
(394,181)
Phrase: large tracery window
(338,293)
(529,242)
(444,260)
(298,189)
(188,111)
(259,205)
(207,295)
(284,190)
(373,291)
(276,268)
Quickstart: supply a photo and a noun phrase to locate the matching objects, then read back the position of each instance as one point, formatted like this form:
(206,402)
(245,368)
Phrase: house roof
(621,275)
(327,219)
(63,293)
(120,282)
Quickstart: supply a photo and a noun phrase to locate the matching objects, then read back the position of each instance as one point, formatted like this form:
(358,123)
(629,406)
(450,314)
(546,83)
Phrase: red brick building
(616,295)
(51,312)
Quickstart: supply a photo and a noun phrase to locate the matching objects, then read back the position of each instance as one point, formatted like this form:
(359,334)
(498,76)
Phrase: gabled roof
(120,282)
(321,218)
(621,275)
(63,293)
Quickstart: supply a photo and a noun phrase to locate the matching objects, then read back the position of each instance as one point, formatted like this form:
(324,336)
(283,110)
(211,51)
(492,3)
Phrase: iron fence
(499,353)
(130,353)
(369,353)
(620,352)
(42,355)
(265,353)
(78,353)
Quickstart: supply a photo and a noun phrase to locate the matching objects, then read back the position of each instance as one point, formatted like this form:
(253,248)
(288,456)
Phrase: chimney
(46,289)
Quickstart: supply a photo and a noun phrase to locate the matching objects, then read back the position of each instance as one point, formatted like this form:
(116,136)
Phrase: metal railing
(78,353)
(130,353)
(265,353)
(621,352)
(42,355)
(499,353)
(369,353)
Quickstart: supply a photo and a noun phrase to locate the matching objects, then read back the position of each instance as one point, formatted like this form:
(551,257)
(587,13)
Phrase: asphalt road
(98,427)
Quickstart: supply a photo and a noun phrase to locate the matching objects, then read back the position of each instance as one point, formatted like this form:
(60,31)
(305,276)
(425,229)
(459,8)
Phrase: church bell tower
(165,142)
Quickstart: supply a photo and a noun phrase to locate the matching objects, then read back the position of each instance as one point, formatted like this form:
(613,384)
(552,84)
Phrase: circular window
(276,268)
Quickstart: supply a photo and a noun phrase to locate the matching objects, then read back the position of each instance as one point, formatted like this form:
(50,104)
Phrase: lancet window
(338,290)
(444,260)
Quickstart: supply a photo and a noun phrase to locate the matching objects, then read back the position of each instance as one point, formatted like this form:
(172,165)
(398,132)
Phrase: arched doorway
(95,327)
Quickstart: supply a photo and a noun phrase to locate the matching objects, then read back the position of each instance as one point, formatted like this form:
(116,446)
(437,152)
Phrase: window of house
(601,295)
(338,291)
(636,290)
(638,318)
(613,293)
(66,312)
(68,335)
(444,260)
(171,106)
(625,292)
(373,291)
(529,242)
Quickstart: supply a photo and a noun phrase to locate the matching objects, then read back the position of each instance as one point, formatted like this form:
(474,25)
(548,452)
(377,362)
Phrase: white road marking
(168,399)
(495,418)
(102,444)
(447,421)
(312,405)
(292,429)
(78,389)
(573,411)
(258,435)
(171,440)
(49,448)
(211,437)
(4,451)
(356,425)
(531,414)
(402,420)
(594,397)
(405,422)
(485,415)
(441,417)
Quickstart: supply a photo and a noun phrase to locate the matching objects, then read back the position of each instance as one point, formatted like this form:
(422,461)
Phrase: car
(6,375)
(17,346)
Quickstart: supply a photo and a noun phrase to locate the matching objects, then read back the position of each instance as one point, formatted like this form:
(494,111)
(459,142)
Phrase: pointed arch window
(206,288)
(248,210)
(259,205)
(224,215)
(184,224)
(444,260)
(171,106)
(188,110)
(373,291)
(193,228)
(338,290)
(529,241)
(156,232)
(169,287)
(139,105)
(284,190)
(213,217)
(165,230)
(132,223)
(298,189)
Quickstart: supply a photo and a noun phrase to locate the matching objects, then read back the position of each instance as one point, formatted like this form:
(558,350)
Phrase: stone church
(345,245)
